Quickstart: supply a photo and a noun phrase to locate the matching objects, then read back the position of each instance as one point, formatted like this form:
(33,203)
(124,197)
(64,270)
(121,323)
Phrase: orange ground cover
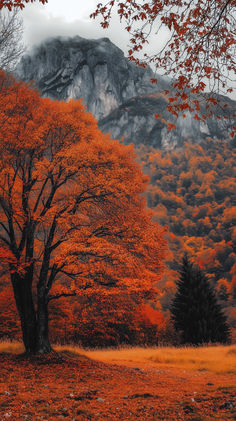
(78,388)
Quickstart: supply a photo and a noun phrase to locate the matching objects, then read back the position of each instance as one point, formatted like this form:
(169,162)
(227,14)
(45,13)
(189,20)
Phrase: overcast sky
(68,18)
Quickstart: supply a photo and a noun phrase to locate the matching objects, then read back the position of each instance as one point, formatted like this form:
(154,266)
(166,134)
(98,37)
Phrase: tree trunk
(22,288)
(43,344)
(34,327)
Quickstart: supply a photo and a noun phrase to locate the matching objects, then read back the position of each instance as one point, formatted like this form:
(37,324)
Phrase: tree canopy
(71,207)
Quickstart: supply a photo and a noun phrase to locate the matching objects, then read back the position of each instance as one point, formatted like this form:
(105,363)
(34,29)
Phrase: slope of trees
(195,311)
(72,217)
(192,191)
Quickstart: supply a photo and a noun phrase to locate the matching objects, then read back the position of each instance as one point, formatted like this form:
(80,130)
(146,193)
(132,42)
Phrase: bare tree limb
(11,46)
(55,297)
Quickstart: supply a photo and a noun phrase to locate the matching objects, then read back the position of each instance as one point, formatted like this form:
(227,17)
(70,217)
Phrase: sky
(68,18)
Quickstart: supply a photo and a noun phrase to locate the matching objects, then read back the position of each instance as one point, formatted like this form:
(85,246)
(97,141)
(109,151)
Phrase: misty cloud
(39,26)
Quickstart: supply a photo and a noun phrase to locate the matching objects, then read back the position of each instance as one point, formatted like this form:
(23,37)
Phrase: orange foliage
(152,315)
(106,320)
(72,214)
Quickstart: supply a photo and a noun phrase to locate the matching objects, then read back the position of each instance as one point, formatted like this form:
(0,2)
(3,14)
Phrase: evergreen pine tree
(195,311)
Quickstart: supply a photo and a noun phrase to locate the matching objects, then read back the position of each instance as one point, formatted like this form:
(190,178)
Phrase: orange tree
(199,51)
(72,214)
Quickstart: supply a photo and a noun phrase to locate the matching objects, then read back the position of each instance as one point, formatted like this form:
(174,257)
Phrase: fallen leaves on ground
(75,387)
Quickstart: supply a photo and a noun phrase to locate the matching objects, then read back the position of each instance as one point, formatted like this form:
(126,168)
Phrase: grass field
(169,384)
(217,359)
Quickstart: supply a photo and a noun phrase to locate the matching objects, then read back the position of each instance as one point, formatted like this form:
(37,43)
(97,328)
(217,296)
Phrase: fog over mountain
(115,90)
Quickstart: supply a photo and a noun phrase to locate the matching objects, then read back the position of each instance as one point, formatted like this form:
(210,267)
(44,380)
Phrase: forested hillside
(193,192)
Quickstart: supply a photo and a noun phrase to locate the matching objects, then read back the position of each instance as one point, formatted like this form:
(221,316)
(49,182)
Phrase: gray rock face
(95,70)
(116,91)
(134,121)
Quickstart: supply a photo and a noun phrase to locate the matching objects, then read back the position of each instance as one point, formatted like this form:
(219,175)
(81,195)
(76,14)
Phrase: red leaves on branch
(213,100)
(233,132)
(200,47)
(184,96)
(17,3)
(207,70)
(172,99)
(171,126)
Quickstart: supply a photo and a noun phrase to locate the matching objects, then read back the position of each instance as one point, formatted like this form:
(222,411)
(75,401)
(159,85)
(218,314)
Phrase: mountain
(135,122)
(115,90)
(95,70)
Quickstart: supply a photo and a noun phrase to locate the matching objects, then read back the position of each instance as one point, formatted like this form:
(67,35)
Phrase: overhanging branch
(57,296)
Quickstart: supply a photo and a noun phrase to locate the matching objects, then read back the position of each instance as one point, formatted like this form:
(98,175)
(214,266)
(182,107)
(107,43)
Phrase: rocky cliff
(95,70)
(134,121)
(115,90)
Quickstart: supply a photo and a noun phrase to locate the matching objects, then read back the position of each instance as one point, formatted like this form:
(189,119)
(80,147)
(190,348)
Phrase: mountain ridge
(117,92)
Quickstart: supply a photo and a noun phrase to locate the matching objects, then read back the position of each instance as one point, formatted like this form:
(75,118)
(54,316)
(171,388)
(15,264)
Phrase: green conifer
(196,314)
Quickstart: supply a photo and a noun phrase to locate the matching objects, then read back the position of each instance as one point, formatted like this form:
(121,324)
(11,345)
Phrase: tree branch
(56,297)
(4,227)
(5,240)
(40,194)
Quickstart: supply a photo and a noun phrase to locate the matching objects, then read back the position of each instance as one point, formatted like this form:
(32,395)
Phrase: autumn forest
(117,262)
(192,191)
(76,230)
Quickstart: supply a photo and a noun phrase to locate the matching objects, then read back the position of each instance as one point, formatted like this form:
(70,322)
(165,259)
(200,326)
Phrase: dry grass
(216,359)
(11,347)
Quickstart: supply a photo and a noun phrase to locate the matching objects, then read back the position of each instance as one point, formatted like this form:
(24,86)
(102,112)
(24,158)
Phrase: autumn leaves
(72,213)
